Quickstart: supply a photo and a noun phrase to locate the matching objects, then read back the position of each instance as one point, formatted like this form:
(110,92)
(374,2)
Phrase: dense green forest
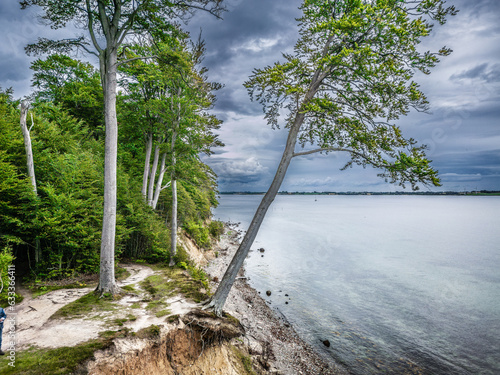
(54,231)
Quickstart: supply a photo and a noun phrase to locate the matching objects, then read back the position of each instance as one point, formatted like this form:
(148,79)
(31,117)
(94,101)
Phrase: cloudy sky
(462,132)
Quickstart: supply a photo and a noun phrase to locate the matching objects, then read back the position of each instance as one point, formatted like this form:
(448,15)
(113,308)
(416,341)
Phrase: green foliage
(350,78)
(72,84)
(65,220)
(216,229)
(85,305)
(59,361)
(199,233)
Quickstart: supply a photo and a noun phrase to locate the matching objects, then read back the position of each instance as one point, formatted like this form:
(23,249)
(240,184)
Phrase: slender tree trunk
(218,300)
(152,176)
(149,148)
(107,282)
(31,166)
(159,182)
(173,233)
(173,236)
(27,145)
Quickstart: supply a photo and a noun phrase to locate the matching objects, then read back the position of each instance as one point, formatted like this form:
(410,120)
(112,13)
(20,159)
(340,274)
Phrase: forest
(51,222)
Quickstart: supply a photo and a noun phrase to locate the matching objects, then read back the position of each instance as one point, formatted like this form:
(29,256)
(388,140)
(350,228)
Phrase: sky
(462,129)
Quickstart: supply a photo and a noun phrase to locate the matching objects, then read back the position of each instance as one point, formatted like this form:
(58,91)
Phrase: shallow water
(397,284)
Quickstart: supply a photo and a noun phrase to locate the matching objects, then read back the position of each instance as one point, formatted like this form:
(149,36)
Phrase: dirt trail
(33,326)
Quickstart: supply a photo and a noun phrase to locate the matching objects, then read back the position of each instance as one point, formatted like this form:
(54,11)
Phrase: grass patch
(152,331)
(85,305)
(130,288)
(59,361)
(172,281)
(164,312)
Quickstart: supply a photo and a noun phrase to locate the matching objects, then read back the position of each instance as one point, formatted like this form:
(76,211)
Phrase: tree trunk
(173,236)
(152,177)
(149,147)
(159,182)
(27,145)
(218,300)
(107,282)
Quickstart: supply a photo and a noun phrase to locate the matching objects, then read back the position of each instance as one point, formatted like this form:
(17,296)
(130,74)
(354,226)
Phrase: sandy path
(33,326)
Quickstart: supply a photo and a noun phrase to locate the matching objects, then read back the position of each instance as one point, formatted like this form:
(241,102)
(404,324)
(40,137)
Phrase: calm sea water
(397,284)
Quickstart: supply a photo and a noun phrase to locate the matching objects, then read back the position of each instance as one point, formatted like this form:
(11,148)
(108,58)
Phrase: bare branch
(91,27)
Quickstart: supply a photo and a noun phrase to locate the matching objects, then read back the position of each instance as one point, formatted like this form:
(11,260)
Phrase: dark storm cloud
(485,71)
(251,35)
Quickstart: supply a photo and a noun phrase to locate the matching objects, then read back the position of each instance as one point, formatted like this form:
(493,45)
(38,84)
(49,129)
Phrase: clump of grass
(149,332)
(164,312)
(192,284)
(130,288)
(85,305)
(156,305)
(59,361)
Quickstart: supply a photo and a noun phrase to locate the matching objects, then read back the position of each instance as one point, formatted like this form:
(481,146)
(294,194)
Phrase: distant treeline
(480,192)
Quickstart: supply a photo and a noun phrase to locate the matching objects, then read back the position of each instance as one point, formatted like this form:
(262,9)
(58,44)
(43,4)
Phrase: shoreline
(272,340)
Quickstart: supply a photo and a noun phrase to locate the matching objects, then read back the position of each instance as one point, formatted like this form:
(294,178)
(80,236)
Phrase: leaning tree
(349,78)
(109,26)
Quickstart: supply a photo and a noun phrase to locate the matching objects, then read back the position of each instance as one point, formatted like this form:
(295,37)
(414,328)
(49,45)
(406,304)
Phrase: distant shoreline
(441,193)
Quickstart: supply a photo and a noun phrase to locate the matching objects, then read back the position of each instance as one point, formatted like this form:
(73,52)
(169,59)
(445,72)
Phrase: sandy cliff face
(200,344)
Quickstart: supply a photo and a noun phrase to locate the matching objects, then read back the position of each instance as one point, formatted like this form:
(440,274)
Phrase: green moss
(152,331)
(130,288)
(172,281)
(164,312)
(85,305)
(245,361)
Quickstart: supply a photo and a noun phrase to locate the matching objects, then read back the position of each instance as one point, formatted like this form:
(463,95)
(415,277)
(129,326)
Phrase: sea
(395,284)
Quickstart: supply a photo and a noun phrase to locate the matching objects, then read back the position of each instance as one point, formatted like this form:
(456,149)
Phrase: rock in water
(326,343)
(268,293)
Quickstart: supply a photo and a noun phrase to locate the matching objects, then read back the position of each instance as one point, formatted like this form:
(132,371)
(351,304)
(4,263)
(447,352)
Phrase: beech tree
(348,80)
(176,95)
(109,25)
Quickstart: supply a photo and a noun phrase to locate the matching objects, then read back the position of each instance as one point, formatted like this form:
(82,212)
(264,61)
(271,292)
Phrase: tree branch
(135,58)
(91,27)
